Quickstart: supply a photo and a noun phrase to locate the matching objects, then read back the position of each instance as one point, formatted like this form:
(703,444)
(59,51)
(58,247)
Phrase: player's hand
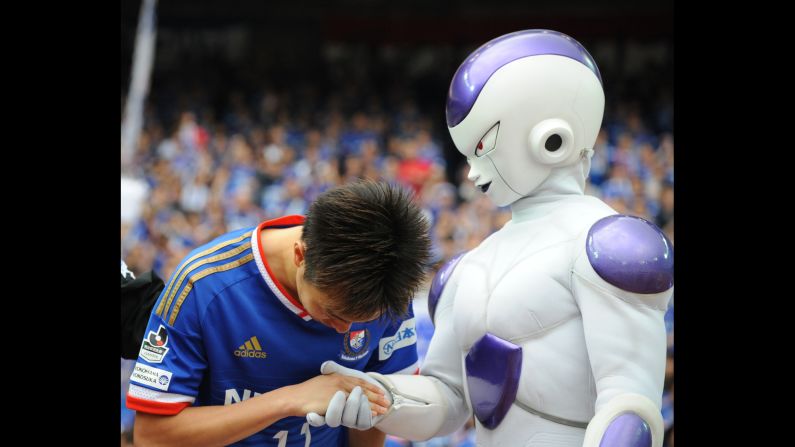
(352,412)
(315,394)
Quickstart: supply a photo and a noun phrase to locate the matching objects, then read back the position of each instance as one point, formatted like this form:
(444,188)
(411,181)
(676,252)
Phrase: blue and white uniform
(224,330)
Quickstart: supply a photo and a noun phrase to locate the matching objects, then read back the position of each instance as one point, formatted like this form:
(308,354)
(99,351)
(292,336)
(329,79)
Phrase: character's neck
(562,183)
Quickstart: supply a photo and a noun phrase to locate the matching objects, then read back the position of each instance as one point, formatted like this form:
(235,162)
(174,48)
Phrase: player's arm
(171,366)
(622,281)
(224,424)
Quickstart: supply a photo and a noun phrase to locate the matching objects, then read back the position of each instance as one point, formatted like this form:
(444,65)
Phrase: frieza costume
(551,331)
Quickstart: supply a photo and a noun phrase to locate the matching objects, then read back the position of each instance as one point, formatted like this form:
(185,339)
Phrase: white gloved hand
(353,412)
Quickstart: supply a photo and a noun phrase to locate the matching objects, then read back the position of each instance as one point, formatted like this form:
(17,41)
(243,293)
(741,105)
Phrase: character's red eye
(488,142)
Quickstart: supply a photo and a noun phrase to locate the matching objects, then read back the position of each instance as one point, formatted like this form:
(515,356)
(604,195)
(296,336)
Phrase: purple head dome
(472,75)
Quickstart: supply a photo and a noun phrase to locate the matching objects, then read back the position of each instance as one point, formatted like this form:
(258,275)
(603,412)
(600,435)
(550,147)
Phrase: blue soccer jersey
(224,330)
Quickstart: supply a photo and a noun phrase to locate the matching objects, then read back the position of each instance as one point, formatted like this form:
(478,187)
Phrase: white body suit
(531,284)
(555,322)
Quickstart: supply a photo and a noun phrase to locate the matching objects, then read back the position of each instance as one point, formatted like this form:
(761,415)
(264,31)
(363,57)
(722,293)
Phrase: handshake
(410,406)
(356,411)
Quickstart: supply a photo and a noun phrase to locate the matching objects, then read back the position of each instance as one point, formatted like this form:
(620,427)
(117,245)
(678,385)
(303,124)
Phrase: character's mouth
(485,187)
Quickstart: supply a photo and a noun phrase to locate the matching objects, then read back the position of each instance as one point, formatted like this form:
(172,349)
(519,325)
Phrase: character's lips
(485,187)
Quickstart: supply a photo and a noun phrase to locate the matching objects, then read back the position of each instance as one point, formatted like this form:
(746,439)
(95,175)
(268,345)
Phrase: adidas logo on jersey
(251,348)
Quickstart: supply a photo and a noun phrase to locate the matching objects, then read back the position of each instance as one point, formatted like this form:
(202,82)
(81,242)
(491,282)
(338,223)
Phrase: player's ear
(298,253)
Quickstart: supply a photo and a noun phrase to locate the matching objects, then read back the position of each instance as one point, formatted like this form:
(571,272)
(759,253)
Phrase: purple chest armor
(493,368)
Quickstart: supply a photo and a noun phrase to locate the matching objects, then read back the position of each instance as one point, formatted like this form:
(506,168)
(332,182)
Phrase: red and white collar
(259,256)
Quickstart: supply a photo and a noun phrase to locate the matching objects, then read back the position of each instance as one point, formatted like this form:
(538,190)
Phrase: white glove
(353,412)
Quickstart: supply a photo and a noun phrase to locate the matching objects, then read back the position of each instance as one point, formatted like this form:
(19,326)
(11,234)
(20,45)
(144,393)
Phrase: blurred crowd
(206,178)
(270,152)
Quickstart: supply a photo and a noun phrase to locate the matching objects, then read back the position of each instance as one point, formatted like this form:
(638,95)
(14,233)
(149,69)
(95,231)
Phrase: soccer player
(248,318)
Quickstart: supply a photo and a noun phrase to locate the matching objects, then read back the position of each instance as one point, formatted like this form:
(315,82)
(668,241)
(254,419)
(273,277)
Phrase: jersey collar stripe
(265,271)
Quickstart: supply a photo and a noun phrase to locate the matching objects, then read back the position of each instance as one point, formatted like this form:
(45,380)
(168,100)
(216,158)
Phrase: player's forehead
(341,306)
(339,303)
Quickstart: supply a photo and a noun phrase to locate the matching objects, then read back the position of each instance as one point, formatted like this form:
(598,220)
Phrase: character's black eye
(553,142)
(488,142)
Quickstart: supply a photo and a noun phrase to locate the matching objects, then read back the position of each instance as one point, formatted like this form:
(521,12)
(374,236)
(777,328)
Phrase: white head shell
(522,106)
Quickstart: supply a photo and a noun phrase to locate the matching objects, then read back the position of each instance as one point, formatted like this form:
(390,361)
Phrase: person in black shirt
(138,297)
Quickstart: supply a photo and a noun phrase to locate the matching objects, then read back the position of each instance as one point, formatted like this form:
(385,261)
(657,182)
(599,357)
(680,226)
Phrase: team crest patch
(356,340)
(153,349)
(355,345)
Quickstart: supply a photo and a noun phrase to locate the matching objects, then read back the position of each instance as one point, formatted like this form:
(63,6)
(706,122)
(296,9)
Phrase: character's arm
(622,281)
(425,405)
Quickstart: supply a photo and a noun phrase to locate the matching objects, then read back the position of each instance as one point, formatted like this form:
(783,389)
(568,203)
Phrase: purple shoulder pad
(631,253)
(439,281)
